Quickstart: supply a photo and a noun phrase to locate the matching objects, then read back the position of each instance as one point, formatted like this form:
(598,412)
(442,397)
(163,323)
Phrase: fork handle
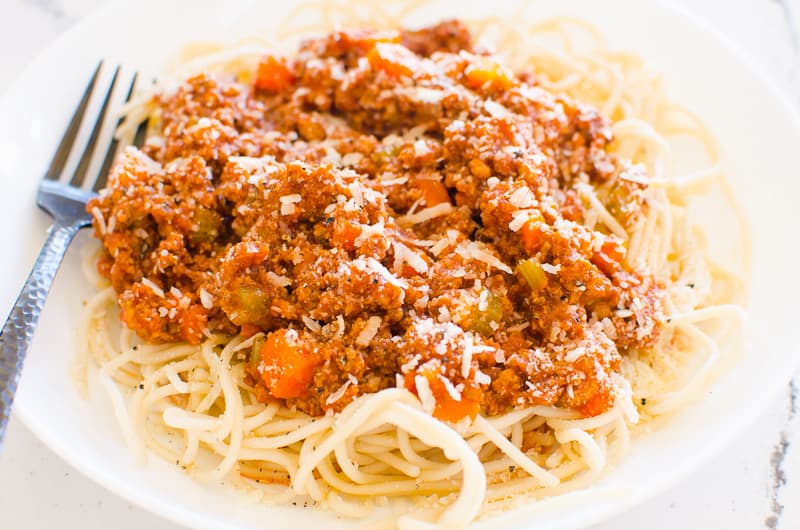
(17,332)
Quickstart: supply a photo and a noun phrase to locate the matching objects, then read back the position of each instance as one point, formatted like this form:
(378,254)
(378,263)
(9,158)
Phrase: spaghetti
(199,402)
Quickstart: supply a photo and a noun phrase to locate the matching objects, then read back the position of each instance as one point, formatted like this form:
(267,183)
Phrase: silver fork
(66,203)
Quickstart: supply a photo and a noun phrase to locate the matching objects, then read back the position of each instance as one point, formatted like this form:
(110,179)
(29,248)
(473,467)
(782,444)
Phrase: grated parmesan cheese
(522,198)
(367,231)
(495,110)
(518,221)
(550,268)
(466,355)
(352,159)
(404,254)
(312,325)
(482,379)
(101,222)
(425,394)
(369,331)
(206,299)
(411,363)
(452,390)
(288,202)
(153,287)
(371,264)
(427,214)
(277,280)
(355,190)
(339,393)
(421,148)
(476,250)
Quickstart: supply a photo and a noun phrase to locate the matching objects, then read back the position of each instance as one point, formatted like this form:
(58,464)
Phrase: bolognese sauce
(393,208)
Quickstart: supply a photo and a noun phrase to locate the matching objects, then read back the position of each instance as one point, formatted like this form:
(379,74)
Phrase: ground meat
(388,209)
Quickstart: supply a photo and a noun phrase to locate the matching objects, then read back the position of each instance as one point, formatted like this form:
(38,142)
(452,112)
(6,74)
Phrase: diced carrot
(446,408)
(394,59)
(345,234)
(600,402)
(479,168)
(487,70)
(248,330)
(193,322)
(609,258)
(433,191)
(286,368)
(614,250)
(532,235)
(274,74)
(407,271)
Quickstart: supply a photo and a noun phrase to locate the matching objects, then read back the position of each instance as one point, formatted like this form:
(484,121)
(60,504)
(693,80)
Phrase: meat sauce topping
(393,208)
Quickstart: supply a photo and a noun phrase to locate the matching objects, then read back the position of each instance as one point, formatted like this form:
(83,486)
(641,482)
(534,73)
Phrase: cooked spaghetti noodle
(199,403)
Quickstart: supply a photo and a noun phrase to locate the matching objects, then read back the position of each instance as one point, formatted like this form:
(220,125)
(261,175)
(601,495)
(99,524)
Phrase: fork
(65,202)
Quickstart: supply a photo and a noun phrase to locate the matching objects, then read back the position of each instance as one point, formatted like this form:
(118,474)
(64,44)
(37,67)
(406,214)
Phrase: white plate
(758,131)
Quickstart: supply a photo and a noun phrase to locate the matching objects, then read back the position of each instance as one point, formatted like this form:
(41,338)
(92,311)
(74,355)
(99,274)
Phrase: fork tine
(141,132)
(102,177)
(86,157)
(64,148)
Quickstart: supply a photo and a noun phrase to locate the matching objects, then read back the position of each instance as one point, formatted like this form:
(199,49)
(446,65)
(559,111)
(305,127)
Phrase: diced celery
(482,319)
(533,273)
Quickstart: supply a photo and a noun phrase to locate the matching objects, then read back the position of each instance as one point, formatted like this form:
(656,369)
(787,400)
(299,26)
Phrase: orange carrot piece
(600,402)
(447,408)
(274,74)
(286,368)
(487,70)
(345,234)
(394,59)
(532,236)
(433,191)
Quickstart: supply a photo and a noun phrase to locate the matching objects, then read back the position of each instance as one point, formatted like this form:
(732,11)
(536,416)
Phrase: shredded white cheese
(427,214)
(482,379)
(352,159)
(551,269)
(369,331)
(466,356)
(288,202)
(277,280)
(378,229)
(339,393)
(421,148)
(356,191)
(411,363)
(425,394)
(477,251)
(519,220)
(153,287)
(496,110)
(404,254)
(522,198)
(371,264)
(312,325)
(452,390)
(101,222)
(206,299)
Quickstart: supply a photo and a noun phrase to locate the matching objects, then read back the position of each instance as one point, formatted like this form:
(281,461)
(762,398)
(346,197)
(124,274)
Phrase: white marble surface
(753,484)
